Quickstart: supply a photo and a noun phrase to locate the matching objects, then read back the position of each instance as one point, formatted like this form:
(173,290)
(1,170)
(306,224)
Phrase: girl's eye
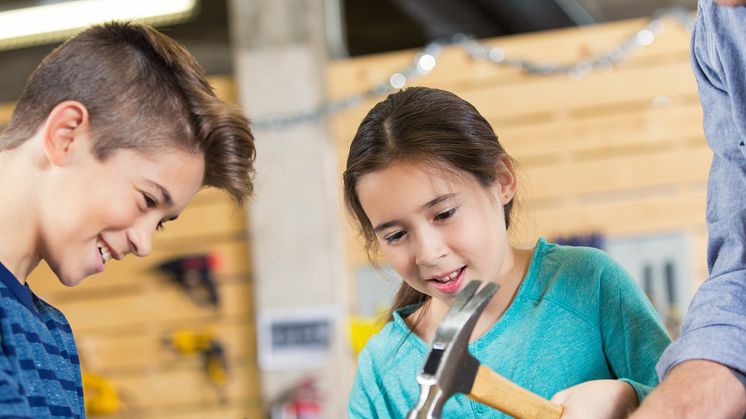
(149,201)
(445,214)
(394,237)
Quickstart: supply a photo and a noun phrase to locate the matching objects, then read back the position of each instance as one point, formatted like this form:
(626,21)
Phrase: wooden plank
(610,174)
(555,95)
(663,127)
(558,46)
(252,408)
(224,87)
(6,111)
(202,222)
(177,388)
(162,305)
(134,274)
(135,351)
(654,212)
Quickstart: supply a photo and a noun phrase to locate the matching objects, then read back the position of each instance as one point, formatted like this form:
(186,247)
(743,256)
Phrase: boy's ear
(63,129)
(506,182)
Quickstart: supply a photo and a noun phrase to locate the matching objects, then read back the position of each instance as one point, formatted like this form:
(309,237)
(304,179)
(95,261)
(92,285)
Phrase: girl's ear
(63,130)
(506,183)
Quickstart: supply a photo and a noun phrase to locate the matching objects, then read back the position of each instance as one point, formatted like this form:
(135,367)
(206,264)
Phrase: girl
(431,187)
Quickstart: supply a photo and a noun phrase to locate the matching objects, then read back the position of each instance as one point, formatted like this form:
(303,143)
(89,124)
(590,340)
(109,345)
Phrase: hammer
(450,368)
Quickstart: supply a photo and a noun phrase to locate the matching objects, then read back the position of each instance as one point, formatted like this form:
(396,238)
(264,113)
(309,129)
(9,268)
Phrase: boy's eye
(150,202)
(394,237)
(445,214)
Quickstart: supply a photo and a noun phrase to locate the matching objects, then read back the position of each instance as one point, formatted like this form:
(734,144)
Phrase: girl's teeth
(449,277)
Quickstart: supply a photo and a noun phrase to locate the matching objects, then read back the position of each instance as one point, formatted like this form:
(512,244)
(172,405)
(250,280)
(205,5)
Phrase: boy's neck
(18,229)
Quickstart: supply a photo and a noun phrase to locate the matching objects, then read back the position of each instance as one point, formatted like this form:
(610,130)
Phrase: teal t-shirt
(577,316)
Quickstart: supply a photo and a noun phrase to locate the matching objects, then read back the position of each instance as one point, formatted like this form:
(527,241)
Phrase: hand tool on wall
(194,273)
(673,316)
(209,347)
(647,283)
(449,367)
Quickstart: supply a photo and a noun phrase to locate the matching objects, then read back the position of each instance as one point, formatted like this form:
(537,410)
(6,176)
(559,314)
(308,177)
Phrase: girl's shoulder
(574,273)
(571,261)
(393,344)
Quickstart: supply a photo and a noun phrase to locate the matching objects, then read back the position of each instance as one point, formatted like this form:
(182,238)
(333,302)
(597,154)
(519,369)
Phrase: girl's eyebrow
(438,200)
(427,205)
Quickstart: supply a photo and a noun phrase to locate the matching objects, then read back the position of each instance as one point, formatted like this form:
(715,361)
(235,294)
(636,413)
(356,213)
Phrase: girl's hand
(607,399)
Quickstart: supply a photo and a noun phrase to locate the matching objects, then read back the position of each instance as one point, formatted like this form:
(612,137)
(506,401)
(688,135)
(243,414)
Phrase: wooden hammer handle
(494,390)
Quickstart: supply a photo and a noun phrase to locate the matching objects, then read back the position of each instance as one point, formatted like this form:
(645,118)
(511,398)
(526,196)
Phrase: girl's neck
(509,284)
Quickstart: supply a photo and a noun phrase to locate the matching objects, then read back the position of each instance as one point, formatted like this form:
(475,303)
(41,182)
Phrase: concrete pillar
(295,218)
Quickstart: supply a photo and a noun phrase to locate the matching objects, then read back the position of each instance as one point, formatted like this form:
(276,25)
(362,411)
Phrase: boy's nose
(141,240)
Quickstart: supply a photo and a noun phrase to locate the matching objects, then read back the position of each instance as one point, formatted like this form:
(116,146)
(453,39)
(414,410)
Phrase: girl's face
(439,229)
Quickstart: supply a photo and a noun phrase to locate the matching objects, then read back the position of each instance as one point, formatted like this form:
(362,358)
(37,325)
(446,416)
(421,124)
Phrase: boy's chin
(71,279)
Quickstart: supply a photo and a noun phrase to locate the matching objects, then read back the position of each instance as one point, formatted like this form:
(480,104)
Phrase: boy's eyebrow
(427,205)
(164,193)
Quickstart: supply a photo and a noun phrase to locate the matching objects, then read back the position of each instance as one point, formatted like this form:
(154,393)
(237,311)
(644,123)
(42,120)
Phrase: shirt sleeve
(718,311)
(632,333)
(361,402)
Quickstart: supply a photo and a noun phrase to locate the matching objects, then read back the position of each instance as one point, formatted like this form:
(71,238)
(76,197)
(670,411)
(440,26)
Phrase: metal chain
(427,59)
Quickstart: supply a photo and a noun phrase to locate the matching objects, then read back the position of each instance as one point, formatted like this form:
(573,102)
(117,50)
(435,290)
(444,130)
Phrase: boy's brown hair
(143,91)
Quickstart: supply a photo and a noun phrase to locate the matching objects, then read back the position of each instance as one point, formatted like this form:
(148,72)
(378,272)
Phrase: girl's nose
(430,250)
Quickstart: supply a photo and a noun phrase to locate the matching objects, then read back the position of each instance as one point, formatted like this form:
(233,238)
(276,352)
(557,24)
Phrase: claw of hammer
(449,367)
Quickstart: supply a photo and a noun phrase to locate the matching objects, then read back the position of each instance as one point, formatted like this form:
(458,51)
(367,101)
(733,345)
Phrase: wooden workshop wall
(121,316)
(619,152)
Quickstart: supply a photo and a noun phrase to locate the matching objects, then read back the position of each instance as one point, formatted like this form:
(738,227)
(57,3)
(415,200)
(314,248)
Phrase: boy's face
(95,210)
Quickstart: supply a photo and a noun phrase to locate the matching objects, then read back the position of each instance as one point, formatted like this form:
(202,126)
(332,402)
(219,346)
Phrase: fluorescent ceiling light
(51,22)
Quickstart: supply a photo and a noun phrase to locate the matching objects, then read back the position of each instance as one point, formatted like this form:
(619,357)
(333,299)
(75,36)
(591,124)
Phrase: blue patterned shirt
(39,365)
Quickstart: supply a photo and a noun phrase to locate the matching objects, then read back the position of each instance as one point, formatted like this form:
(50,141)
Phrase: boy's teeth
(105,254)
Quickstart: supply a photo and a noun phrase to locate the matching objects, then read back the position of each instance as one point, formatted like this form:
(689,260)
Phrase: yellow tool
(101,396)
(208,346)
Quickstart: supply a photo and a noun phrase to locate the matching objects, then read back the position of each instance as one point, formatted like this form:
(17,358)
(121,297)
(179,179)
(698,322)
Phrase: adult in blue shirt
(704,368)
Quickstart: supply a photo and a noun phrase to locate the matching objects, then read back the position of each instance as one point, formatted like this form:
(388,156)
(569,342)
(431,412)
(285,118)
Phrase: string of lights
(426,61)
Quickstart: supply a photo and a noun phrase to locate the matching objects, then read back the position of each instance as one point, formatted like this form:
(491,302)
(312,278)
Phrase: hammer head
(449,367)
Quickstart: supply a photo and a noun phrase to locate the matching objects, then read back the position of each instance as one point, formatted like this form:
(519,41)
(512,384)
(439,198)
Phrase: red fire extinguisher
(306,401)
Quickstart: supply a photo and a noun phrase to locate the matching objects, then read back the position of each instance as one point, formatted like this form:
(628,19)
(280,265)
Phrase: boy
(114,133)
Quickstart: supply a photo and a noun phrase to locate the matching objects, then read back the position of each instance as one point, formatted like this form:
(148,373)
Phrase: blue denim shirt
(715,326)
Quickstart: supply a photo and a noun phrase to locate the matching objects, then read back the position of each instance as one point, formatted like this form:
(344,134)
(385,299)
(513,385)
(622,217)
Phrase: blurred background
(259,312)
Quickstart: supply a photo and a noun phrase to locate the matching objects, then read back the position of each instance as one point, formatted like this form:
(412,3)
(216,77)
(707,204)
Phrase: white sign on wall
(295,339)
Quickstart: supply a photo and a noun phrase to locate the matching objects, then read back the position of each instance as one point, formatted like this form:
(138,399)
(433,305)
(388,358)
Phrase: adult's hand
(693,390)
